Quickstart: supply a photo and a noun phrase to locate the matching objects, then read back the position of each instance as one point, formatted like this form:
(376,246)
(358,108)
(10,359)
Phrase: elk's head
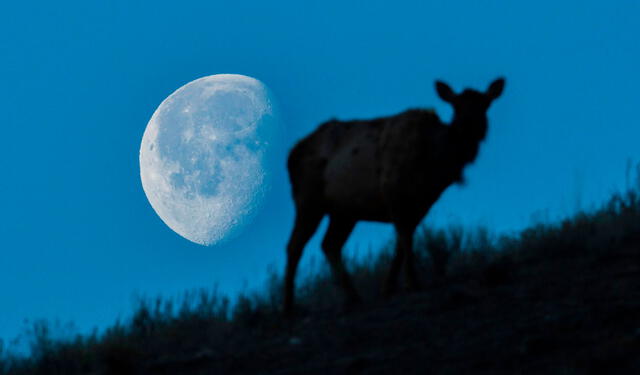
(470,107)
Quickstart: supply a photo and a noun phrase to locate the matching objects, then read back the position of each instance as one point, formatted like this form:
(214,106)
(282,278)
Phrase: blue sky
(81,80)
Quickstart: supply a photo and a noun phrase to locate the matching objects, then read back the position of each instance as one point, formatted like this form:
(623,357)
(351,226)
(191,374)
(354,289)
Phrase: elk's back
(350,167)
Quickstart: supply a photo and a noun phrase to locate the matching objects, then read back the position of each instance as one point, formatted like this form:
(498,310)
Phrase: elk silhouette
(388,169)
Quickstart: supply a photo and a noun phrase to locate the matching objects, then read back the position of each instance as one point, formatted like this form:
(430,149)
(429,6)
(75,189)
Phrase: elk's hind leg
(337,234)
(305,225)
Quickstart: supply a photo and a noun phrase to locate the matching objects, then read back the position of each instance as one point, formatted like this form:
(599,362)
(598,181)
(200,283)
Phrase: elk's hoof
(388,291)
(414,287)
(352,303)
(354,300)
(287,314)
(295,313)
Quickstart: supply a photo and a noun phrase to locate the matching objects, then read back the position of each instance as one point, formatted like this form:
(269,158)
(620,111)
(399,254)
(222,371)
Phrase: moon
(204,156)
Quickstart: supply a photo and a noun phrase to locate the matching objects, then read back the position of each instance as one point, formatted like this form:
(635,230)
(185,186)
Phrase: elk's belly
(352,187)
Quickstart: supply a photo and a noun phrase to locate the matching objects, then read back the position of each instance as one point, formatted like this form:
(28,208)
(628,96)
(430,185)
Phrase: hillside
(556,299)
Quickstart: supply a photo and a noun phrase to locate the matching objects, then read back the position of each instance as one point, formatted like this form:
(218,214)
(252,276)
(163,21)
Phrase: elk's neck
(465,138)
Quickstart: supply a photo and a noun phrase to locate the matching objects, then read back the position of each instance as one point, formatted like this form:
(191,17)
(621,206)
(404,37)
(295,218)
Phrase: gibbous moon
(203,157)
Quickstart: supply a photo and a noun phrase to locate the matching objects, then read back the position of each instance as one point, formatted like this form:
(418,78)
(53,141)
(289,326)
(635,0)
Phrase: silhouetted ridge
(557,298)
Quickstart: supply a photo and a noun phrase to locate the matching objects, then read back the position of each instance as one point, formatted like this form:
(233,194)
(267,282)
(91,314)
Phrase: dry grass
(176,332)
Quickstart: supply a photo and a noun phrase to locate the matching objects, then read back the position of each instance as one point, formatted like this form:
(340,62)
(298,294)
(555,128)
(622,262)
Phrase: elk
(389,169)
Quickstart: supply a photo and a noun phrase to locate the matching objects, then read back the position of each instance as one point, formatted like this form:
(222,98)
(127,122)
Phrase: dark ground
(556,299)
(558,315)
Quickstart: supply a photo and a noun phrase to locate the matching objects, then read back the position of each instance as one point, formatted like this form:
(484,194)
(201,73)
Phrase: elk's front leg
(403,256)
(411,280)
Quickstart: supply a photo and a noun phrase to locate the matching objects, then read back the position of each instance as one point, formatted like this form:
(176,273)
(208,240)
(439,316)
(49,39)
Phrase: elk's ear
(495,88)
(445,92)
